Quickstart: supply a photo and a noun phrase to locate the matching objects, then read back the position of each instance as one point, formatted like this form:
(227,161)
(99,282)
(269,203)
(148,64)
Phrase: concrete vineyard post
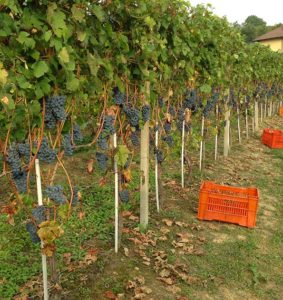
(239,125)
(116,178)
(182,155)
(144,167)
(226,131)
(156,170)
(256,116)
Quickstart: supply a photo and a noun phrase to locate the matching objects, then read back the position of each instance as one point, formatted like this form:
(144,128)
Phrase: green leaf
(78,13)
(25,40)
(40,68)
(73,84)
(99,13)
(64,55)
(122,155)
(47,35)
(205,88)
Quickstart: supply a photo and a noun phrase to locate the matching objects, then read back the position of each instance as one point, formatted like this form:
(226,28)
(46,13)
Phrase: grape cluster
(190,101)
(32,230)
(39,214)
(20,180)
(167,127)
(75,196)
(124,196)
(169,140)
(172,111)
(46,153)
(67,145)
(24,151)
(119,97)
(133,116)
(102,160)
(211,103)
(135,138)
(146,113)
(102,142)
(159,155)
(128,162)
(54,111)
(55,193)
(77,133)
(13,158)
(108,125)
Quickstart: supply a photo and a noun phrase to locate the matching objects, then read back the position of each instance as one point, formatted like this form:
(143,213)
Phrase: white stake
(216,137)
(182,154)
(201,143)
(43,257)
(156,169)
(261,112)
(239,125)
(116,196)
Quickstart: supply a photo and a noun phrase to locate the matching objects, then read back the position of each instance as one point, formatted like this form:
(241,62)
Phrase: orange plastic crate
(281,111)
(228,204)
(272,138)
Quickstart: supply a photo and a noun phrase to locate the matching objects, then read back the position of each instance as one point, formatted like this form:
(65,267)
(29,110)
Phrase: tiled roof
(273,34)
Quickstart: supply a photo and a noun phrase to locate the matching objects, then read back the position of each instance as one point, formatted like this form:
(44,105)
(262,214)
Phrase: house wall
(275,45)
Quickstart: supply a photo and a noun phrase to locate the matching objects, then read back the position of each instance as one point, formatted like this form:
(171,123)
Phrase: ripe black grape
(160,102)
(101,160)
(39,214)
(159,155)
(75,196)
(102,142)
(167,127)
(108,125)
(133,116)
(135,138)
(124,196)
(77,133)
(13,158)
(119,97)
(67,145)
(32,230)
(46,153)
(55,193)
(54,111)
(146,113)
(24,151)
(20,180)
(172,111)
(169,140)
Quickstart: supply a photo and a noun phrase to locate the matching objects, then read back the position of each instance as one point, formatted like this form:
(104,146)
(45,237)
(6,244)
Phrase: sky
(271,11)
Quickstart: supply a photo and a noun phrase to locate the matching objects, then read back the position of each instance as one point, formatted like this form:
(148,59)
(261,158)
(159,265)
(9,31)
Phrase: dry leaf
(110,295)
(146,290)
(167,222)
(164,273)
(168,280)
(90,166)
(126,251)
(173,289)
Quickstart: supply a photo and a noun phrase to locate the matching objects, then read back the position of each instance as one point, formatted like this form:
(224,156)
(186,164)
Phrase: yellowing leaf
(3,76)
(64,55)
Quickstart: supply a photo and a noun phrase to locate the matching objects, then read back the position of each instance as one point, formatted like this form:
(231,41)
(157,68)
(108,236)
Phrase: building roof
(273,34)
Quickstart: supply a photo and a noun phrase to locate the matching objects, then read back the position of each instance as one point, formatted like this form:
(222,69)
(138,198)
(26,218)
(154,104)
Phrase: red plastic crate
(272,138)
(228,204)
(281,111)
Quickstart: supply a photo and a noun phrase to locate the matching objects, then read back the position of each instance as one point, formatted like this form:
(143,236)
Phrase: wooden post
(256,116)
(144,167)
(201,143)
(239,125)
(247,123)
(116,179)
(261,112)
(156,170)
(43,257)
(226,131)
(216,137)
(265,108)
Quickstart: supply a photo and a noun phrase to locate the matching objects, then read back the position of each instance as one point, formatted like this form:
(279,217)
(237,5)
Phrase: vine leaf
(122,155)
(40,68)
(64,55)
